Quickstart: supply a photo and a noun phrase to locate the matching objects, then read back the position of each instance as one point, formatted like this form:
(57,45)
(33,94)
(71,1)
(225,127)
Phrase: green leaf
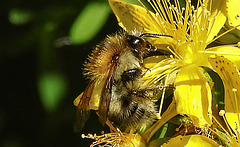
(52,89)
(19,16)
(161,132)
(218,89)
(89,22)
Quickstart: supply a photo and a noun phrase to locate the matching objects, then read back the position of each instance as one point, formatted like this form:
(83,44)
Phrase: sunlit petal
(231,81)
(193,95)
(217,20)
(191,141)
(131,17)
(233,12)
(230,52)
(233,121)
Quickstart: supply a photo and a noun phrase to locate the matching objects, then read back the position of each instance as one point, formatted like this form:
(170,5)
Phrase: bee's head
(139,45)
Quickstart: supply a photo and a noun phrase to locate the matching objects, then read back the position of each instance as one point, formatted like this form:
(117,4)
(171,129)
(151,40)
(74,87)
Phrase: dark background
(28,52)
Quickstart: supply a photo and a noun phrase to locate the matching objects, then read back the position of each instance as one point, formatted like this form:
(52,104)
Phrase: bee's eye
(135,42)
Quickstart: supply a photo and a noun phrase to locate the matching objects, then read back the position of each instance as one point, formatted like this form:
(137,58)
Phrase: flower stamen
(222,113)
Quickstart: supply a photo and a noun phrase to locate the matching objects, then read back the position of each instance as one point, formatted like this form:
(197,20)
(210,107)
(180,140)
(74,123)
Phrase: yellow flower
(217,135)
(193,29)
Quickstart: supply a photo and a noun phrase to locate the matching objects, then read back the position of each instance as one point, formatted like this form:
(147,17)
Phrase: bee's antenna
(154,35)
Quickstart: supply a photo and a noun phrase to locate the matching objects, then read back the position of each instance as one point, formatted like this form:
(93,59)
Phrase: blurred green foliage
(52,89)
(89,22)
(41,68)
(19,16)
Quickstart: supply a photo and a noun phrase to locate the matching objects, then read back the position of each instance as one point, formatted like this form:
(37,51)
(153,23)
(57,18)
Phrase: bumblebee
(114,71)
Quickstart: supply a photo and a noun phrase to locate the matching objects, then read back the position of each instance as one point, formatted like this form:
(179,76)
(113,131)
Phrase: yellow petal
(151,61)
(132,16)
(233,12)
(230,52)
(193,95)
(191,141)
(217,21)
(234,122)
(231,81)
(217,17)
(219,5)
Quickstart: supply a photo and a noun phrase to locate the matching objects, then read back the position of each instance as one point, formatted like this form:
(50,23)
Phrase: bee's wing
(106,95)
(83,110)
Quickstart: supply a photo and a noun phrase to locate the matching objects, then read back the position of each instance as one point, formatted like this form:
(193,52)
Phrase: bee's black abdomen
(126,100)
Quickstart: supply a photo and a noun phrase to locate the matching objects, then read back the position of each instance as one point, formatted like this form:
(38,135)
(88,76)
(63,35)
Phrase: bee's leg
(112,128)
(155,35)
(150,91)
(157,88)
(141,93)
